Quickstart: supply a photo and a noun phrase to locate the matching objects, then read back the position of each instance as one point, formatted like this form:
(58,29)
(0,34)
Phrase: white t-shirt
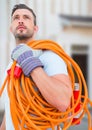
(53,65)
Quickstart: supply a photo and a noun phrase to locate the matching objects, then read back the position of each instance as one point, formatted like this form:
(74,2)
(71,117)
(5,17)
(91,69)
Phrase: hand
(22,48)
(27,58)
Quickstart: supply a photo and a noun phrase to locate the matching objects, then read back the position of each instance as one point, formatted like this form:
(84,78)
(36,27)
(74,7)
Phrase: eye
(26,17)
(16,17)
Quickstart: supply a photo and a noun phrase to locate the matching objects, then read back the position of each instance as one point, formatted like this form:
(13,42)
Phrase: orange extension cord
(28,108)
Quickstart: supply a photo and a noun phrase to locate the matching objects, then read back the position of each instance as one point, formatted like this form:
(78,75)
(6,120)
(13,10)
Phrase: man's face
(22,25)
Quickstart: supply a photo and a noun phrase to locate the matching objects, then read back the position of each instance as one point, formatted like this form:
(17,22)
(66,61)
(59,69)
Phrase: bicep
(65,79)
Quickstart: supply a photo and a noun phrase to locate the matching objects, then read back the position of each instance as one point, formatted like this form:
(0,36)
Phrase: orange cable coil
(28,108)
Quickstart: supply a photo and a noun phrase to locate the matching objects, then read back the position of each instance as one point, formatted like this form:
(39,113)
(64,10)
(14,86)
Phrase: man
(52,75)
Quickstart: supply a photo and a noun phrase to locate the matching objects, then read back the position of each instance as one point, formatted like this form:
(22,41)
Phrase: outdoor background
(67,22)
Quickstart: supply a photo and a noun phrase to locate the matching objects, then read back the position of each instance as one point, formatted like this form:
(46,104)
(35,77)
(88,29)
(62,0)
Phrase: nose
(20,21)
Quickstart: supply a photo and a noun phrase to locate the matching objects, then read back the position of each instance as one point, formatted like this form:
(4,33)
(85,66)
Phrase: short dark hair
(23,6)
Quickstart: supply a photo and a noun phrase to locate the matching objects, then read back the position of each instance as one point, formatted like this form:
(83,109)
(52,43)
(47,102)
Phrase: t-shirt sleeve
(4,95)
(53,64)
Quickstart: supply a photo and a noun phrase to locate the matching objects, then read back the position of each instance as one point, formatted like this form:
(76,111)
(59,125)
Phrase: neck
(23,41)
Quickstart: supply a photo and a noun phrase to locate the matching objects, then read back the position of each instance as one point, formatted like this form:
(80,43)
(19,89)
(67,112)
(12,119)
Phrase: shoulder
(5,73)
(50,53)
(50,56)
(53,63)
(4,77)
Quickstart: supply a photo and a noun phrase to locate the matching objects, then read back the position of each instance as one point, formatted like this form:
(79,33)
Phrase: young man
(52,75)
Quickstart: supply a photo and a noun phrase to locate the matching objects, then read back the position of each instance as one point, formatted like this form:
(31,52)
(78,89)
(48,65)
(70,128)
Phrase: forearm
(55,89)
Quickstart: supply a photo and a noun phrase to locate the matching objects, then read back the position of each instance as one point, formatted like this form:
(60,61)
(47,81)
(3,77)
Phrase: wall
(78,36)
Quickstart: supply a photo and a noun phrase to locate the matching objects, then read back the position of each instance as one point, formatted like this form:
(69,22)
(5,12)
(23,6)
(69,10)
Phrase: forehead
(23,12)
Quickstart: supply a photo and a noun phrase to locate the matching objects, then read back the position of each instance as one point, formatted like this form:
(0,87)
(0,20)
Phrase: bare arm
(2,127)
(55,89)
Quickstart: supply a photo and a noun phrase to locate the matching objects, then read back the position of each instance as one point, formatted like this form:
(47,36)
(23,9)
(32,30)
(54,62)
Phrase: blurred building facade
(68,22)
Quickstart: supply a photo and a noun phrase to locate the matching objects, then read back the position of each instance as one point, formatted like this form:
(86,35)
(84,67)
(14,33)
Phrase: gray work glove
(27,58)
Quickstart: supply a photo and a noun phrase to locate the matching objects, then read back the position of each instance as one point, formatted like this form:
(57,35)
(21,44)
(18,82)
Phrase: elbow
(64,105)
(64,102)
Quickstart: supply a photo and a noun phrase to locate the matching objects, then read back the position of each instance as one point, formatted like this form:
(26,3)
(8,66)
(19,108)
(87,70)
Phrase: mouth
(21,27)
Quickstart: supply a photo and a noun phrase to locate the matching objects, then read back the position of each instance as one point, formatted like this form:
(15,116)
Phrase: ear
(10,28)
(36,28)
